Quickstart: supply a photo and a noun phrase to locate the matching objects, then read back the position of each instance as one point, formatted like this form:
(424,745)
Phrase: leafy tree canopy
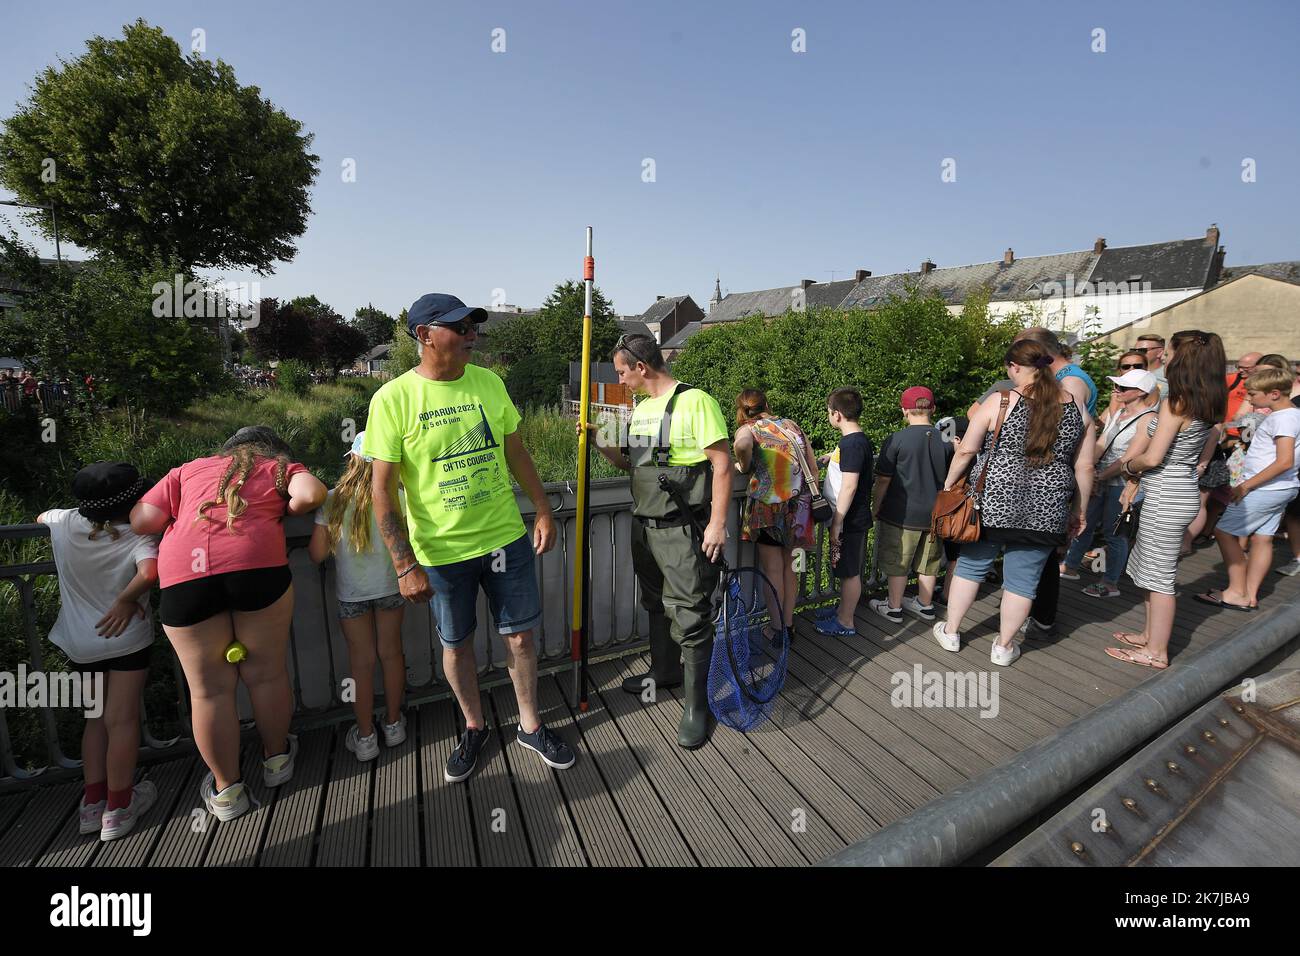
(151,156)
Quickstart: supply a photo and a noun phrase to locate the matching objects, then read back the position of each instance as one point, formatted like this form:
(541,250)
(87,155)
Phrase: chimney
(1098,246)
(1008,257)
(927,267)
(805,283)
(658,297)
(861,274)
(1212,235)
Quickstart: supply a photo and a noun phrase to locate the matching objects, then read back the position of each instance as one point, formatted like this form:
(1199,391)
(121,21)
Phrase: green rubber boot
(665,660)
(694,728)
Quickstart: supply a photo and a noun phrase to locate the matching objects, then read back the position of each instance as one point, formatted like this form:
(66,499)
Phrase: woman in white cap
(1136,397)
(370,601)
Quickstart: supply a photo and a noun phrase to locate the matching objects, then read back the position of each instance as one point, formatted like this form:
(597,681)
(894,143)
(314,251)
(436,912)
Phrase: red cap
(919,397)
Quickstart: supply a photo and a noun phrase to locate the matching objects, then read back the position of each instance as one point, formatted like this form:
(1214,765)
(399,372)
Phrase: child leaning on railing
(370,602)
(106,628)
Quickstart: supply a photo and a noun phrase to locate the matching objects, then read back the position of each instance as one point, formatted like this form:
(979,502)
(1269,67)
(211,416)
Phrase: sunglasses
(1125,368)
(623,345)
(460,327)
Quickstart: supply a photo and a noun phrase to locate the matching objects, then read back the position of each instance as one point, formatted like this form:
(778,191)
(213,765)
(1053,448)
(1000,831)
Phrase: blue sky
(478,171)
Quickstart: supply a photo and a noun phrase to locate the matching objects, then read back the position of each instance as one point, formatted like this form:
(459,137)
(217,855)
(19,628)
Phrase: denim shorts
(1022,564)
(350,609)
(1260,512)
(506,575)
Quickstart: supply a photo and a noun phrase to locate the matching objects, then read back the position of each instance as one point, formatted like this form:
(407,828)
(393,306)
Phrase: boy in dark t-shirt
(909,474)
(847,489)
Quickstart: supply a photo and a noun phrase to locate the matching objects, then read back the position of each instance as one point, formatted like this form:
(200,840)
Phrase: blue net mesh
(747,670)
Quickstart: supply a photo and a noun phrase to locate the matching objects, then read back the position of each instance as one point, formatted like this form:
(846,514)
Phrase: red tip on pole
(589,268)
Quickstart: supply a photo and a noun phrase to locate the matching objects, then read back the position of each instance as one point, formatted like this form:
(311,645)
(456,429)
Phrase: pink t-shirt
(193,549)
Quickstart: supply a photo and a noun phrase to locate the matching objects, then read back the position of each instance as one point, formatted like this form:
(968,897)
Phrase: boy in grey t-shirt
(910,472)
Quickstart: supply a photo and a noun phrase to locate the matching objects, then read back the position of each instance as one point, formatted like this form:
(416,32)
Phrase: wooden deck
(838,761)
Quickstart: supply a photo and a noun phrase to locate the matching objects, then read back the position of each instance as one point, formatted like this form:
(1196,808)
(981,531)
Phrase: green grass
(551,438)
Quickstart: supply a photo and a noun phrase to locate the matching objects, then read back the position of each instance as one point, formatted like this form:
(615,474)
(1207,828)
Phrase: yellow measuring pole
(581,599)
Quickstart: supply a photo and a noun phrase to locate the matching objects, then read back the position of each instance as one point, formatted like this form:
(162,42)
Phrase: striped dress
(1170,501)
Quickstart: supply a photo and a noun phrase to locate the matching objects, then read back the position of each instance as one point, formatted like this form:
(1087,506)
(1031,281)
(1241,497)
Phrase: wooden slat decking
(836,762)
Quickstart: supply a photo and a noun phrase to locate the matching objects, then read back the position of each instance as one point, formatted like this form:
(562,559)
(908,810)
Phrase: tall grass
(552,439)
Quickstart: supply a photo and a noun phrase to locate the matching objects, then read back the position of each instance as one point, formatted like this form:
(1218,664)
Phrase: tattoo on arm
(394,533)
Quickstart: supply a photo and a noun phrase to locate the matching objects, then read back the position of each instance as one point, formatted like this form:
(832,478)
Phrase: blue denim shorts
(1022,564)
(506,575)
(1260,512)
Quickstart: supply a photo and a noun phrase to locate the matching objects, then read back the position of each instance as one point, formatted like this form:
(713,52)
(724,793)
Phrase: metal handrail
(618,622)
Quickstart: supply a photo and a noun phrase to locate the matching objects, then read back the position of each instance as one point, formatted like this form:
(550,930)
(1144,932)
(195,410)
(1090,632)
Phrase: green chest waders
(677,580)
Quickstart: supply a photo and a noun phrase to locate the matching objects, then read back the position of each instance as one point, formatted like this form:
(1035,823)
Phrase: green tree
(101,319)
(152,156)
(799,358)
(537,348)
(375,324)
(403,357)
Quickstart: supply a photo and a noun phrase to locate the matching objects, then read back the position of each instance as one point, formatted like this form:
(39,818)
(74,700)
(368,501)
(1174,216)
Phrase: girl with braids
(106,572)
(1164,458)
(224,572)
(370,601)
(1037,481)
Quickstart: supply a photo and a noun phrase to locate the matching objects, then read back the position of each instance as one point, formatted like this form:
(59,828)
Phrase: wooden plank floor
(837,761)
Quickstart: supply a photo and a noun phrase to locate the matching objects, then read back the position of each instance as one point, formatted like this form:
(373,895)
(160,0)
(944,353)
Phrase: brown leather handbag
(956,515)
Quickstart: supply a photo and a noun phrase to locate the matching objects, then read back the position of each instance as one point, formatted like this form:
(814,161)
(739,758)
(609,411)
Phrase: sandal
(1123,638)
(1209,598)
(1130,656)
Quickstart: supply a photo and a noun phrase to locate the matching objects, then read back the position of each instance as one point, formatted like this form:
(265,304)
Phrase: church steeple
(717,293)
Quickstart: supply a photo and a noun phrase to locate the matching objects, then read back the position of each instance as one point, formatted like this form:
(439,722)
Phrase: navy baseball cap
(438,308)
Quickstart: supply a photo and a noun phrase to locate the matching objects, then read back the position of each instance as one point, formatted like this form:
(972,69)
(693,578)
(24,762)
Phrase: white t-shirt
(361,576)
(1263,452)
(91,576)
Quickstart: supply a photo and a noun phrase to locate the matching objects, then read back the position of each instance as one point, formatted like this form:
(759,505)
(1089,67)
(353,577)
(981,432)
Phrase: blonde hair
(243,459)
(1270,379)
(352,491)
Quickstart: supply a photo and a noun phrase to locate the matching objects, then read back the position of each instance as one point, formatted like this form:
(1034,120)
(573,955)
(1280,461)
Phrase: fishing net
(747,670)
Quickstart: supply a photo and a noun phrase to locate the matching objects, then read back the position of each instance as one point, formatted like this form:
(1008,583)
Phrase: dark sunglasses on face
(460,327)
(1125,368)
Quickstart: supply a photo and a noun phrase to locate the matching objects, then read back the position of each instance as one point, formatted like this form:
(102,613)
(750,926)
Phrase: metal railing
(318,650)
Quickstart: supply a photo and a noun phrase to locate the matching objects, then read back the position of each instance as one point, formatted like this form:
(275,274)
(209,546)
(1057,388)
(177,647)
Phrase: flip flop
(1133,657)
(1123,638)
(1220,602)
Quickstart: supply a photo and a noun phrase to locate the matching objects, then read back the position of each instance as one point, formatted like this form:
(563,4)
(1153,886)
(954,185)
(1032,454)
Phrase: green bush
(552,439)
(293,377)
(798,359)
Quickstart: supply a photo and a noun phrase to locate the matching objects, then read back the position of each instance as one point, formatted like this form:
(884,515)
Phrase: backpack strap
(662,448)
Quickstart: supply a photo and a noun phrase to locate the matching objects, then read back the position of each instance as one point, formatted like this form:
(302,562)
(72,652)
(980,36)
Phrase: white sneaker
(913,605)
(366,748)
(91,816)
(949,642)
(279,769)
(118,823)
(894,615)
(1002,656)
(229,803)
(1291,568)
(395,734)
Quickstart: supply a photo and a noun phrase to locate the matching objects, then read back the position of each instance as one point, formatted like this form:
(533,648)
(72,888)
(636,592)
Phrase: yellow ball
(236,652)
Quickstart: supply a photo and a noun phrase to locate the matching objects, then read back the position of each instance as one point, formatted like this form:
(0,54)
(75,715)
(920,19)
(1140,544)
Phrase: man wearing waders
(678,432)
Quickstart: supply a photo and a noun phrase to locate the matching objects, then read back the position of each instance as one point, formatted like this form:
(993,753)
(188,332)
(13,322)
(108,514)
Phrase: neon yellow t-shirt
(449,438)
(697,424)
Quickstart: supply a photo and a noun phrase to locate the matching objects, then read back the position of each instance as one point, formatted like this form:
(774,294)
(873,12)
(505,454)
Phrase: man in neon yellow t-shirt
(448,429)
(677,571)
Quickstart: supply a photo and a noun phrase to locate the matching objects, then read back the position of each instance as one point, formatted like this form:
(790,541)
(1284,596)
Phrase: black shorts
(1293,509)
(190,602)
(853,548)
(769,537)
(135,661)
